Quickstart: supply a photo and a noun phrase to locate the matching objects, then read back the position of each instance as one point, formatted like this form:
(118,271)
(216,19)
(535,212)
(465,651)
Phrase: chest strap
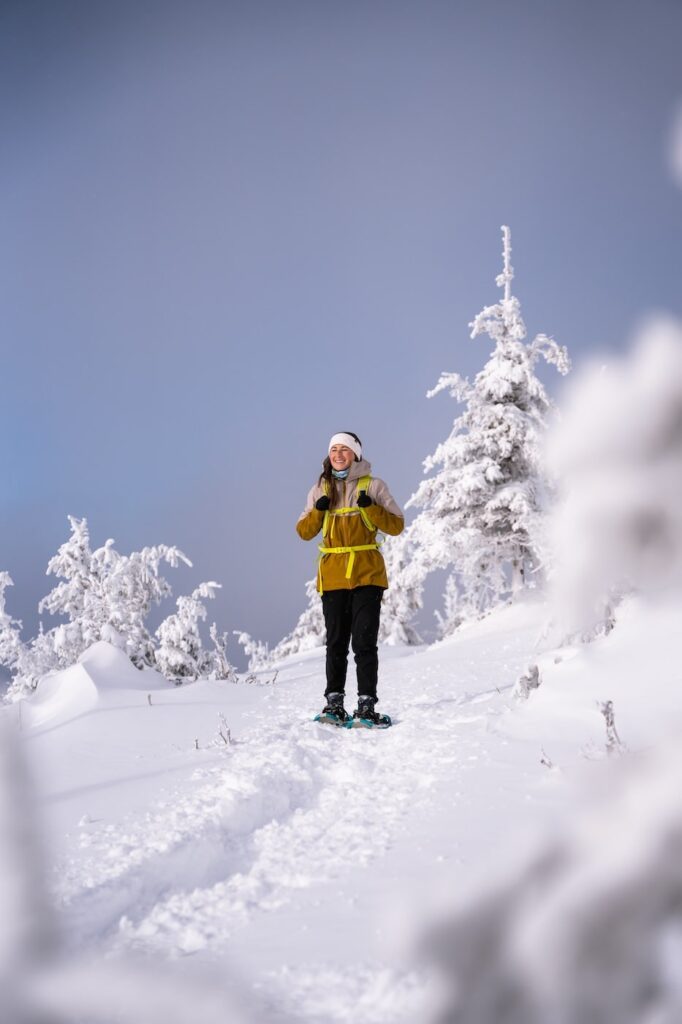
(328,521)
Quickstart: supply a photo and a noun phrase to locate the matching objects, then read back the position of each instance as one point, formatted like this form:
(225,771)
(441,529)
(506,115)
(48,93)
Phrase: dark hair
(326,474)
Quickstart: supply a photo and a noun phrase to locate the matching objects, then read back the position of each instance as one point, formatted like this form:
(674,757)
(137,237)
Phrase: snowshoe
(365,717)
(334,713)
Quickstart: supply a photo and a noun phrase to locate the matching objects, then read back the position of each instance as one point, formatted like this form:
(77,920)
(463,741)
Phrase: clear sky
(228,230)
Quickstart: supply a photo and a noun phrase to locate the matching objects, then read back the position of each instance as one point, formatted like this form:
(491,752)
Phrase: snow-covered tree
(180,655)
(27,662)
(10,629)
(106,595)
(403,599)
(481,512)
(455,610)
(36,659)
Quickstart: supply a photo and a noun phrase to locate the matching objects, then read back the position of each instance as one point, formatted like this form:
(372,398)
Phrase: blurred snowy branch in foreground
(39,982)
(590,928)
(618,453)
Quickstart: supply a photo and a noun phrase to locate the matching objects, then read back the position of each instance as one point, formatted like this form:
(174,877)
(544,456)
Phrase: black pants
(352,614)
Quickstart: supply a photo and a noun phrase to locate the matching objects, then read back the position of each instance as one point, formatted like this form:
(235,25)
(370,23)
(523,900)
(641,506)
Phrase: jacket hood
(358,469)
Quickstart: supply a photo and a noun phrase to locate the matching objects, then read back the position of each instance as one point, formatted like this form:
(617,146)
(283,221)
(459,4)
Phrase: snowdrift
(64,696)
(635,667)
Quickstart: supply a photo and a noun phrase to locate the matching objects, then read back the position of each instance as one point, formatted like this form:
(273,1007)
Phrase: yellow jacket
(349,530)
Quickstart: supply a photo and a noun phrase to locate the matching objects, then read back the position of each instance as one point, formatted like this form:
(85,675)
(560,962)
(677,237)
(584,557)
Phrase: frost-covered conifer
(106,595)
(481,511)
(403,599)
(180,655)
(455,610)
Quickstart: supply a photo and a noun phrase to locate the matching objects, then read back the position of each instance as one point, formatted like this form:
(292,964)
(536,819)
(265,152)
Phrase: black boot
(366,716)
(334,711)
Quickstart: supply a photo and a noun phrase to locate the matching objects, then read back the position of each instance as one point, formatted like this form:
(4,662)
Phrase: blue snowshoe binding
(365,717)
(334,713)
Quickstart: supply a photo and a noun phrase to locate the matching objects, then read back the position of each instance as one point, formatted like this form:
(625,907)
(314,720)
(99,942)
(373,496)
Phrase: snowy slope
(312,859)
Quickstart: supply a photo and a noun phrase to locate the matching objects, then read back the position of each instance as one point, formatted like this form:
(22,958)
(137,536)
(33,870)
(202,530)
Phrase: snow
(252,850)
(308,864)
(637,676)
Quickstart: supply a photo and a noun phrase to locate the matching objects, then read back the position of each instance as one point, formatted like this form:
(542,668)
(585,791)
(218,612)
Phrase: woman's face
(340,457)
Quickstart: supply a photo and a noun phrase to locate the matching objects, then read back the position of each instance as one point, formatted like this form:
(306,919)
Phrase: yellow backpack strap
(325,521)
(363,485)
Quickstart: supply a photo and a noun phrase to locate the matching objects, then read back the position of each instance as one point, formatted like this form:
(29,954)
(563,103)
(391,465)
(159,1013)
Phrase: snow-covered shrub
(618,454)
(527,682)
(257,651)
(481,512)
(589,928)
(220,663)
(180,654)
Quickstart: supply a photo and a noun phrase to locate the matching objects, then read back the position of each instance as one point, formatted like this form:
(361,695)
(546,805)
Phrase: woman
(349,505)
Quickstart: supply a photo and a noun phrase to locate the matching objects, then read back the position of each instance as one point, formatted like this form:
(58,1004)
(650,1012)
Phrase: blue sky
(229,230)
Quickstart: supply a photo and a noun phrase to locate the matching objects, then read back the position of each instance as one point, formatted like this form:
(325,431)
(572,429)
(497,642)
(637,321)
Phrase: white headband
(349,442)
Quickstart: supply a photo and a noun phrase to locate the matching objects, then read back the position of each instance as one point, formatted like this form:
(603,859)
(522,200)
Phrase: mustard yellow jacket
(349,530)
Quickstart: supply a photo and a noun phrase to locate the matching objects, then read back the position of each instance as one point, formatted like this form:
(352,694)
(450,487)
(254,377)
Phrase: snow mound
(66,695)
(60,697)
(110,668)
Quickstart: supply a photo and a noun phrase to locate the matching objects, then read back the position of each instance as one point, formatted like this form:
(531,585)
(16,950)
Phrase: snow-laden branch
(505,279)
(458,387)
(554,354)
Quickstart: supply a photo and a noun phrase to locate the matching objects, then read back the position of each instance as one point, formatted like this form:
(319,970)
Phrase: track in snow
(293,807)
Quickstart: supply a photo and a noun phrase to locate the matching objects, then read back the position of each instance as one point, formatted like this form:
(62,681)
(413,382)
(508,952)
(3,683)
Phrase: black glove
(322,504)
(364,499)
